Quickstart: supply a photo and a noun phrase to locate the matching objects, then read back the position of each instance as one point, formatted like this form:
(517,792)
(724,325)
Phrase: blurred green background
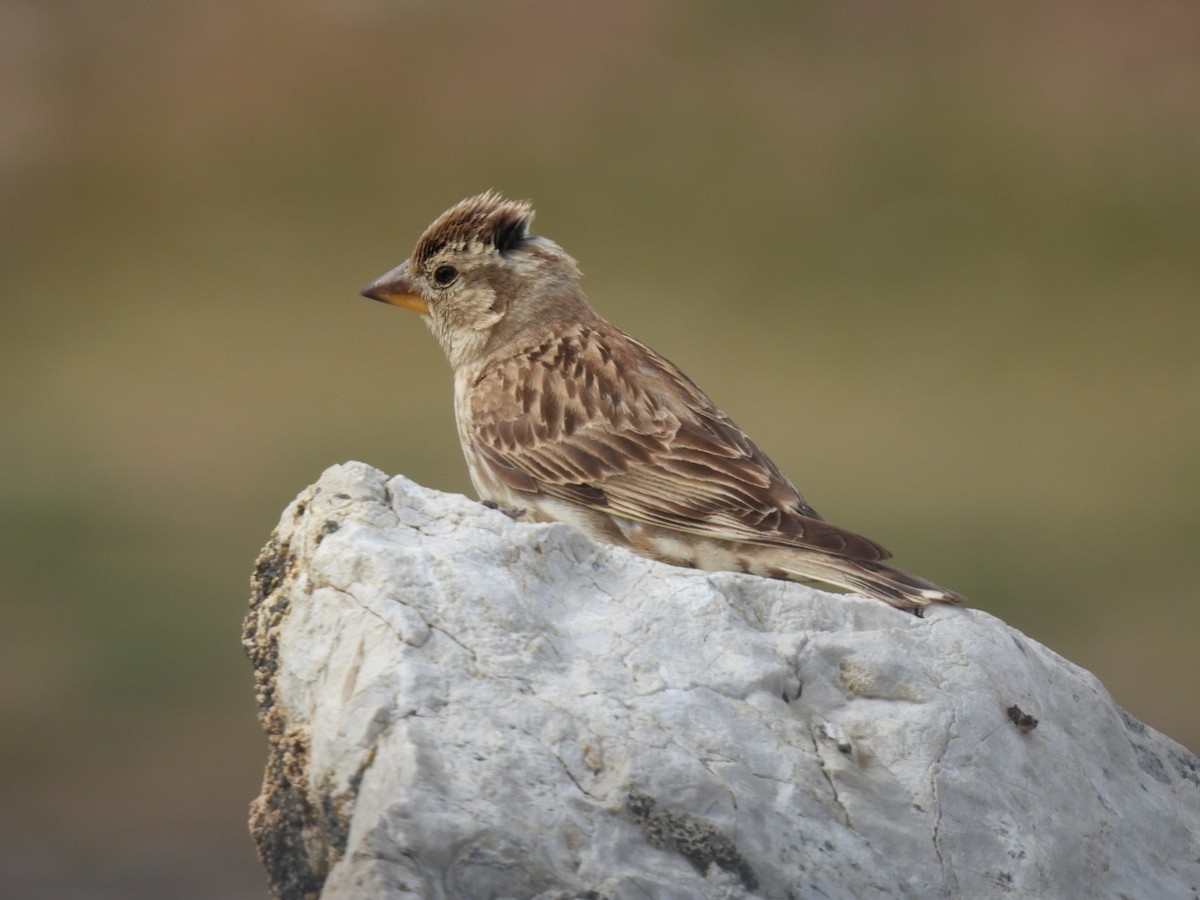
(941,261)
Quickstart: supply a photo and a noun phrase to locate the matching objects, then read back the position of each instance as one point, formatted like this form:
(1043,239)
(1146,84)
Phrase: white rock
(462,706)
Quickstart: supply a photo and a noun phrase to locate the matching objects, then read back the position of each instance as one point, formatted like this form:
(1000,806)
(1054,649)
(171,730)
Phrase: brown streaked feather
(484,220)
(593,417)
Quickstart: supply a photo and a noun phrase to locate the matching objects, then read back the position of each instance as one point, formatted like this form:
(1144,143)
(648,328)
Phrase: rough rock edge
(299,830)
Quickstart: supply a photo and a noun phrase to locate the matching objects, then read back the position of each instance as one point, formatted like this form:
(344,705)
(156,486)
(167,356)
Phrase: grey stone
(463,706)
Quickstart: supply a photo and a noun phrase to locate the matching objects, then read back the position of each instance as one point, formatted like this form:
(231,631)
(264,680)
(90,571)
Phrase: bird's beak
(397,289)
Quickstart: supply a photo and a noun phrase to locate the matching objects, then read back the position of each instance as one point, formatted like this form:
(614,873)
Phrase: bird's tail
(899,588)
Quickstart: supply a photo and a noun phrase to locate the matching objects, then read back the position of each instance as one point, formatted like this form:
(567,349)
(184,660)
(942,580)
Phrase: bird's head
(482,281)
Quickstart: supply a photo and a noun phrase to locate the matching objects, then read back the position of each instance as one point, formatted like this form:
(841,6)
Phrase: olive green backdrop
(940,260)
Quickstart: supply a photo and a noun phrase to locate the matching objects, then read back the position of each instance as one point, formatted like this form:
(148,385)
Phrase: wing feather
(596,418)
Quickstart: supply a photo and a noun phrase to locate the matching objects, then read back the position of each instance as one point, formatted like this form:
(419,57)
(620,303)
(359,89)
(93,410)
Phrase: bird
(563,417)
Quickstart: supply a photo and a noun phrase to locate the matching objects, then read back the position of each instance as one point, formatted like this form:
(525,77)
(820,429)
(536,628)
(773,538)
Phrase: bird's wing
(596,418)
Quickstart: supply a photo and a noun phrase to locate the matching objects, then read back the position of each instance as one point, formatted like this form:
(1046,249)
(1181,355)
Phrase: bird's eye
(443,275)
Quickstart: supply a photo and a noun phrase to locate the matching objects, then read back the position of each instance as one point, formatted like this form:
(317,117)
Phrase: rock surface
(462,706)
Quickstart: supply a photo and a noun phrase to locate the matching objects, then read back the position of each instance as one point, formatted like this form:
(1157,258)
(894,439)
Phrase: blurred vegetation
(940,261)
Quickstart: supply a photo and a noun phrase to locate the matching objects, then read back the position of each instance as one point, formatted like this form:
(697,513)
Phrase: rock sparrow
(569,418)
